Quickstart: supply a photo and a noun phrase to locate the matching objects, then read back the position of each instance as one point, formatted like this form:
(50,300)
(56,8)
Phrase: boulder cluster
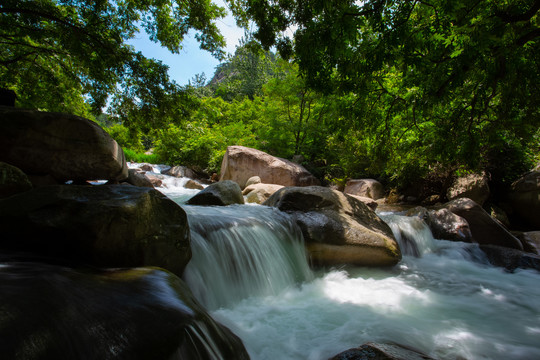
(92,271)
(76,220)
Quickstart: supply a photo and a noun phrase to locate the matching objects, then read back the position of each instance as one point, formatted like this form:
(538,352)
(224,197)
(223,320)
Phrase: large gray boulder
(51,312)
(338,229)
(104,226)
(485,230)
(66,147)
(524,199)
(12,180)
(222,193)
(369,188)
(241,163)
(472,186)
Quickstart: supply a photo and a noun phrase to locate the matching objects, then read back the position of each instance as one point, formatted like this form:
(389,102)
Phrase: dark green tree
(58,53)
(436,82)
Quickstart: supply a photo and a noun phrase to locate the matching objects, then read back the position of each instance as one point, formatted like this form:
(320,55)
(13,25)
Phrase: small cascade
(412,234)
(242,251)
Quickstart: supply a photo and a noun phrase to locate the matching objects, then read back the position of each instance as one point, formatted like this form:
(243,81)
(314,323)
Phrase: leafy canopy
(54,51)
(434,82)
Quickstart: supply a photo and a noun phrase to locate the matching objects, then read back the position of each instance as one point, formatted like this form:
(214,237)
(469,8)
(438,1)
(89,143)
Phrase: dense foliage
(397,90)
(62,54)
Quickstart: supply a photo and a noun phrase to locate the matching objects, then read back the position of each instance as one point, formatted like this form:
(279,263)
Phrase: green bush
(134,156)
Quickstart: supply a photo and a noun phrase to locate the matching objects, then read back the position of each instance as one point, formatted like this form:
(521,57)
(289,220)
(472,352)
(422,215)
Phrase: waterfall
(243,251)
(412,233)
(441,299)
(444,299)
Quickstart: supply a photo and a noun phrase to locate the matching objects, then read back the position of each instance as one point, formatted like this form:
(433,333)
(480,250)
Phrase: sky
(191,60)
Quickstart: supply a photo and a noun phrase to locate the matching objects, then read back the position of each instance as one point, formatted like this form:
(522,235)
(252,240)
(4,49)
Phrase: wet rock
(241,163)
(155,180)
(12,180)
(66,147)
(192,184)
(137,178)
(369,188)
(444,224)
(146,167)
(381,351)
(510,259)
(337,228)
(485,230)
(181,171)
(530,241)
(222,193)
(104,226)
(51,312)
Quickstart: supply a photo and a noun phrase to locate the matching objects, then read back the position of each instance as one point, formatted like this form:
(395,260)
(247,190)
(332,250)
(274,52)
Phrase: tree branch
(526,16)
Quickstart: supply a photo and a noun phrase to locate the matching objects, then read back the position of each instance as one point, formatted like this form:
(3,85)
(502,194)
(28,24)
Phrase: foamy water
(447,308)
(442,298)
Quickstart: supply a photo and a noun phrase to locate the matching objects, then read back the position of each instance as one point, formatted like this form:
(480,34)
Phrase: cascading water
(243,251)
(443,298)
(412,234)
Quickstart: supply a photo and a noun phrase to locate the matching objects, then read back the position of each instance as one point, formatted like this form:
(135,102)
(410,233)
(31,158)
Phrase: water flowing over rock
(51,312)
(181,171)
(12,180)
(444,224)
(66,147)
(241,163)
(222,193)
(105,225)
(510,259)
(485,230)
(243,251)
(525,199)
(337,228)
(369,188)
(472,186)
(381,351)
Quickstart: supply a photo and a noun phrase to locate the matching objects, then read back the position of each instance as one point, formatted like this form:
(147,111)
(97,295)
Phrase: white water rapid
(442,298)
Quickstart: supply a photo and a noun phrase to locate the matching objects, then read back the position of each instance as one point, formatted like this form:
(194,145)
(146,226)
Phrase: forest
(402,91)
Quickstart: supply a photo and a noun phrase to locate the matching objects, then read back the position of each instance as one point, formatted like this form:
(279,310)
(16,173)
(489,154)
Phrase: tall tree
(444,81)
(53,50)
